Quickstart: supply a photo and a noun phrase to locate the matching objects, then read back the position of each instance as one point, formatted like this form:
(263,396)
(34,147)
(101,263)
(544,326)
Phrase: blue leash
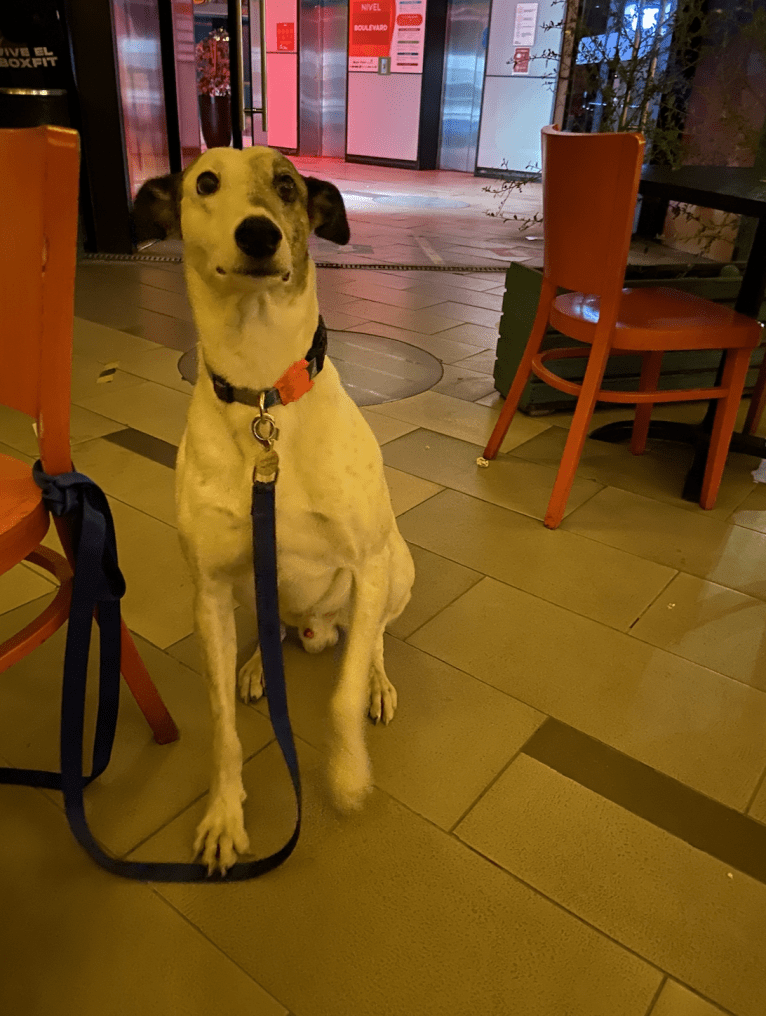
(98,584)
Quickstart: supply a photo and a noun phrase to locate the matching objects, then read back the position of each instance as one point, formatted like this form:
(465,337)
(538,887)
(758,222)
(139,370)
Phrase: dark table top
(729,188)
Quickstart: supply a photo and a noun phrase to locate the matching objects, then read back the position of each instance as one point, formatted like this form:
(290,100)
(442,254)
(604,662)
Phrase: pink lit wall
(282,72)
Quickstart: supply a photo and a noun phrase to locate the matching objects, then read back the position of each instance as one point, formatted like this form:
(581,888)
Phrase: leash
(98,586)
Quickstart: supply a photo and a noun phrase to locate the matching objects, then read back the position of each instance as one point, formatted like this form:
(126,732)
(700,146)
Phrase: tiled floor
(570,809)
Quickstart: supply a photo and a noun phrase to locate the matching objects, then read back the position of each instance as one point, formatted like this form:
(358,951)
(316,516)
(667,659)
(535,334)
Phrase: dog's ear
(157,209)
(327,213)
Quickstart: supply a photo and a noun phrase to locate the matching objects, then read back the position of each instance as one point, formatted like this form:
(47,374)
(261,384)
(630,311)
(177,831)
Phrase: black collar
(273,396)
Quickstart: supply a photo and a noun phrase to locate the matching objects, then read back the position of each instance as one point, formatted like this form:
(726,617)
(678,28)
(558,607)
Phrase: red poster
(370,27)
(521,60)
(285,36)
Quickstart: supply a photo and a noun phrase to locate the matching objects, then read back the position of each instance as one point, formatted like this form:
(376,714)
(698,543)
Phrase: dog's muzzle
(258,237)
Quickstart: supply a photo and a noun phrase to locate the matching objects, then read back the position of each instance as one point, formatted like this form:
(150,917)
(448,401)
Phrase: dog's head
(243,215)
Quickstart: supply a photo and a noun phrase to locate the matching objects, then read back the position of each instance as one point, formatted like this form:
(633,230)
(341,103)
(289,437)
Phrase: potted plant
(214,84)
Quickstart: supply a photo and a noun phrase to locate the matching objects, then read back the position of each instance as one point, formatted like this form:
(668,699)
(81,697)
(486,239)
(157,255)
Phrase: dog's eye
(285,186)
(207,183)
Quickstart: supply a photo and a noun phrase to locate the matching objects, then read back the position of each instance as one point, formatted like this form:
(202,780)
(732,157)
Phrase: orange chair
(590,183)
(39,168)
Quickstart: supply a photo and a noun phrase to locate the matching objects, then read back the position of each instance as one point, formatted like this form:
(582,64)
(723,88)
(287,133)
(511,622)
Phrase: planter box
(679,369)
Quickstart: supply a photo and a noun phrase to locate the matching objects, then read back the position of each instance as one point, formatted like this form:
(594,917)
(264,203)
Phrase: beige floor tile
(445,350)
(402,919)
(343,320)
(691,723)
(463,383)
(485,300)
(160,365)
(385,428)
(474,335)
(129,477)
(85,378)
(672,904)
(438,582)
(80,942)
(104,344)
(458,418)
(709,624)
(757,809)
(406,490)
(427,322)
(14,452)
(450,737)
(158,600)
(509,482)
(751,512)
(145,784)
(676,1000)
(658,474)
(484,362)
(21,585)
(153,408)
(689,541)
(411,299)
(472,315)
(17,433)
(557,566)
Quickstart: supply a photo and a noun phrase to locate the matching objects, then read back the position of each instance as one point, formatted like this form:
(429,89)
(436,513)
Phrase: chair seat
(24,520)
(658,318)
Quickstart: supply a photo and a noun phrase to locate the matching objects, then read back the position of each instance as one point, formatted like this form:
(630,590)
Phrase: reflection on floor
(570,813)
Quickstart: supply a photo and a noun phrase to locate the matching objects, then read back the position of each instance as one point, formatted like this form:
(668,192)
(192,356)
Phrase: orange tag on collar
(294,382)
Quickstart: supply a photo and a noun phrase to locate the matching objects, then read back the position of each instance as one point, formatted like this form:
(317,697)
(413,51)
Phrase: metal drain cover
(372,368)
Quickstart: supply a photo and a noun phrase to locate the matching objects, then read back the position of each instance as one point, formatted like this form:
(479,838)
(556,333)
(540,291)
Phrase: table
(730,189)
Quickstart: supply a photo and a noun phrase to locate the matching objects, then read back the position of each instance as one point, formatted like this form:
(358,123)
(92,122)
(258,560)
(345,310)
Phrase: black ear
(327,213)
(157,209)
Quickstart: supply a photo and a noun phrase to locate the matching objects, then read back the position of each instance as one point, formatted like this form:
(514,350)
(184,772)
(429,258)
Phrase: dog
(245,219)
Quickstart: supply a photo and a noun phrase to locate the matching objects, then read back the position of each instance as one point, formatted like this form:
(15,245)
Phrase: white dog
(245,218)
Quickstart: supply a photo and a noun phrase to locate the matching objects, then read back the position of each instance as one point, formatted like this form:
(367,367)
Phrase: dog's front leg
(221,833)
(350,776)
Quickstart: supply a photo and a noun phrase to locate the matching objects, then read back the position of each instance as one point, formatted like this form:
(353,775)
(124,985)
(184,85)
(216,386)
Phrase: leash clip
(265,429)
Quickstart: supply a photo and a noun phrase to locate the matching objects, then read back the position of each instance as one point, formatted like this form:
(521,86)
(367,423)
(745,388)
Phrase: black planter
(215,118)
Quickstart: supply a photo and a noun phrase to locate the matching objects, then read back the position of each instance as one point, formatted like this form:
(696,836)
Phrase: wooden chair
(39,168)
(590,184)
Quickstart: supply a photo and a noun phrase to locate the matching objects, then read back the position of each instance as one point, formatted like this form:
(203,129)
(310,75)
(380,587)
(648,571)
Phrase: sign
(392,30)
(525,25)
(521,60)
(285,37)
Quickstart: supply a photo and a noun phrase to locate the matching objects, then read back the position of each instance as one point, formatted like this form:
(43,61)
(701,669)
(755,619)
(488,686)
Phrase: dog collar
(296,380)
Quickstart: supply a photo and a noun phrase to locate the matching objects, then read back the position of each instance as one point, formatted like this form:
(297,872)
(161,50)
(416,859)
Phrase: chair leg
(146,695)
(578,431)
(650,375)
(735,371)
(522,372)
(757,402)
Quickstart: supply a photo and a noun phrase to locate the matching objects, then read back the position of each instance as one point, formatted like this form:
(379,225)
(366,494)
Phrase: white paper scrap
(759,474)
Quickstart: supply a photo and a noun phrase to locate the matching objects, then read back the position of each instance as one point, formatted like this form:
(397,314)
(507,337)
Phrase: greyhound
(245,218)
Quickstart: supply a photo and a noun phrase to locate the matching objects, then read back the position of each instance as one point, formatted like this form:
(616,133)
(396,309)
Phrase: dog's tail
(350,775)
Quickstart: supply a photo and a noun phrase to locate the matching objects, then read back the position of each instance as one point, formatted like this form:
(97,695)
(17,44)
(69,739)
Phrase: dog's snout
(257,236)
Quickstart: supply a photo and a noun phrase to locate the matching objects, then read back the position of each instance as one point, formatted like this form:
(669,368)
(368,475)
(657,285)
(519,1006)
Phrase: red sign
(285,36)
(409,20)
(370,27)
(521,60)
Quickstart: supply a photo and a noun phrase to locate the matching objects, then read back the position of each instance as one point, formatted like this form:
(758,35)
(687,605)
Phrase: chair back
(39,169)
(590,184)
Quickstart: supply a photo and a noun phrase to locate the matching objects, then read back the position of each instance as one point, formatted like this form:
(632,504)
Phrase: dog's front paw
(383,697)
(250,678)
(221,835)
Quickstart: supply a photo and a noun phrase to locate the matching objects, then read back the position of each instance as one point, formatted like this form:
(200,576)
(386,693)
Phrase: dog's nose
(257,236)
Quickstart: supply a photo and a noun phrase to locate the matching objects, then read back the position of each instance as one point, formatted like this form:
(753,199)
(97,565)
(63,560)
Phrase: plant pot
(215,118)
